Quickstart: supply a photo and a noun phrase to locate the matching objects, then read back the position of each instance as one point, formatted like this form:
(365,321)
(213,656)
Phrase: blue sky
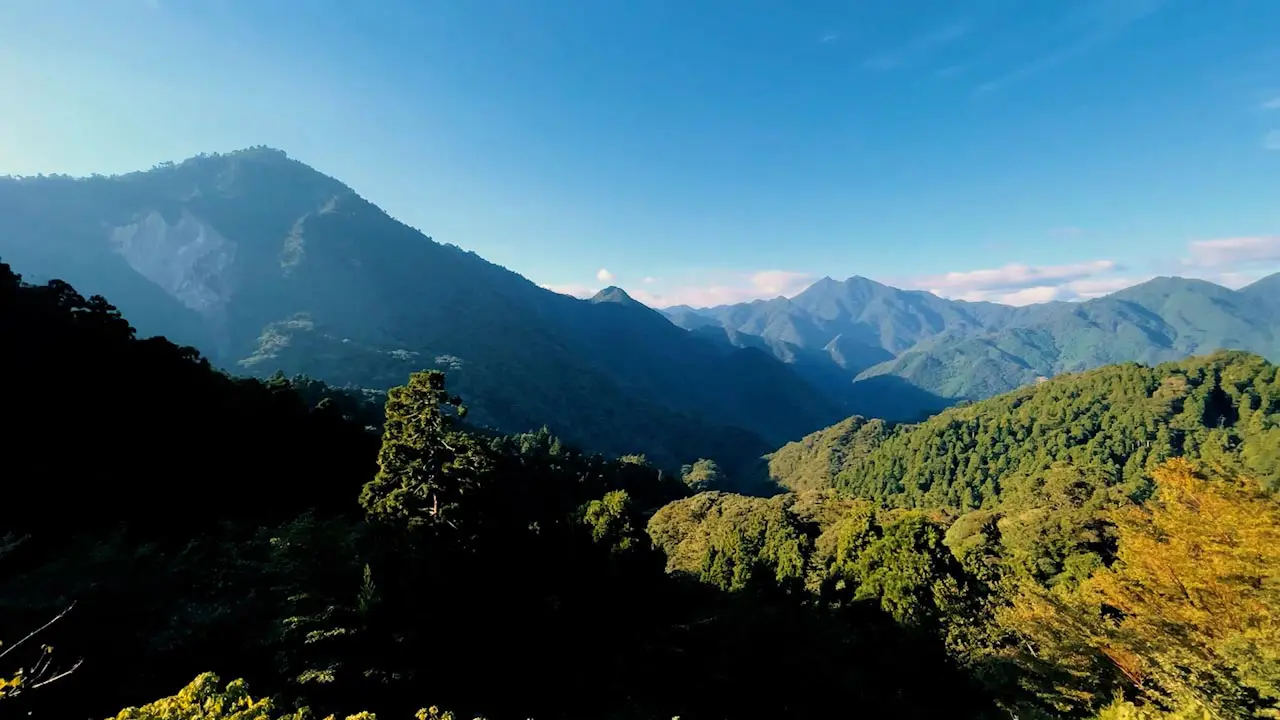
(708,151)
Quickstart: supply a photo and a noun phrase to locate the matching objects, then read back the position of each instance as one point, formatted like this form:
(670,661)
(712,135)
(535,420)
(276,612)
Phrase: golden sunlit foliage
(1188,615)
(202,699)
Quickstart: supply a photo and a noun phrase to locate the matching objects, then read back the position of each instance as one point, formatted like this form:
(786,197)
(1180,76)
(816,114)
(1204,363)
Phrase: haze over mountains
(265,264)
(859,332)
(983,563)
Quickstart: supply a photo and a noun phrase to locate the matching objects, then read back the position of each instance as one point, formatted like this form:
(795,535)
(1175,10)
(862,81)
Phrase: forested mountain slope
(842,335)
(190,522)
(1102,545)
(265,264)
(1119,421)
(1125,564)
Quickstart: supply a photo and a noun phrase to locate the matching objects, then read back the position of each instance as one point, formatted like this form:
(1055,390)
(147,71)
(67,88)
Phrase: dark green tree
(427,467)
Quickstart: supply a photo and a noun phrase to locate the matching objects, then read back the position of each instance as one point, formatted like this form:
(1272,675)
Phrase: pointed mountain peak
(824,287)
(864,282)
(614,294)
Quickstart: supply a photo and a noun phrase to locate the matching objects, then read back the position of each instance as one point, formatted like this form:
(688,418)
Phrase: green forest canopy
(1010,557)
(1119,421)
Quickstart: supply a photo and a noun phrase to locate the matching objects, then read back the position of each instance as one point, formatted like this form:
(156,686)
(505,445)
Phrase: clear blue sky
(721,148)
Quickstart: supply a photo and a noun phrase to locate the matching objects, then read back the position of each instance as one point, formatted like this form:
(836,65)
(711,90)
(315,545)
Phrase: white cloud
(1032,295)
(772,283)
(1013,276)
(1272,104)
(701,289)
(1097,287)
(1231,262)
(1018,284)
(1237,280)
(1233,253)
(604,275)
(710,288)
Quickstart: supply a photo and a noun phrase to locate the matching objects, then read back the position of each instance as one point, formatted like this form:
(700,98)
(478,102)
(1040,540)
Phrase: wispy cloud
(724,288)
(917,49)
(704,289)
(1237,280)
(1089,288)
(1232,262)
(1233,254)
(1272,104)
(1272,140)
(829,38)
(1018,284)
(1014,276)
(604,275)
(1091,23)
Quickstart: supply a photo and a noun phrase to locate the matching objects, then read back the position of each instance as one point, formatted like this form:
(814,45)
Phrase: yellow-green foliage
(1188,616)
(733,541)
(1124,710)
(202,699)
(8,685)
(840,549)
(812,462)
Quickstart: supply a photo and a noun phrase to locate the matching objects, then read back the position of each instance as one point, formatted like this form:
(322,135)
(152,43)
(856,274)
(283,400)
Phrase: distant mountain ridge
(265,264)
(842,335)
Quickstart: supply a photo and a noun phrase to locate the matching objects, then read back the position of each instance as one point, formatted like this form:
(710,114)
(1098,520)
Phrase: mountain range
(850,336)
(266,264)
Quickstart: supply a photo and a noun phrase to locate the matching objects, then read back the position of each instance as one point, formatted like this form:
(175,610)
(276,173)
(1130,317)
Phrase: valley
(266,265)
(566,360)
(312,448)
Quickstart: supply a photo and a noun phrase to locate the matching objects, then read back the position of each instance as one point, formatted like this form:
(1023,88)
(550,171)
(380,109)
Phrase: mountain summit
(614,294)
(925,351)
(265,264)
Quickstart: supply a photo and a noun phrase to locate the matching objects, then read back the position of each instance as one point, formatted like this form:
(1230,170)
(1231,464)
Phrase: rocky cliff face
(189,260)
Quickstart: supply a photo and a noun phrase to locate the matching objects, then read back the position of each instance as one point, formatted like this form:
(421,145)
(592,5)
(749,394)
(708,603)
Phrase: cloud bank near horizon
(1232,262)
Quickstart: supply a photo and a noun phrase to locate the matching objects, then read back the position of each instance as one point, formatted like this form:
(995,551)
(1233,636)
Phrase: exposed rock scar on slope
(188,259)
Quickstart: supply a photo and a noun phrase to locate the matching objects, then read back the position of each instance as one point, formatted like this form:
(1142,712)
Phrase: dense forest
(1118,421)
(1102,545)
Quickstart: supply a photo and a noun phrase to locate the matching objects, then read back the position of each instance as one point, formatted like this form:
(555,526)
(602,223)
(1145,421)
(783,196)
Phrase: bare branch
(59,676)
(37,631)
